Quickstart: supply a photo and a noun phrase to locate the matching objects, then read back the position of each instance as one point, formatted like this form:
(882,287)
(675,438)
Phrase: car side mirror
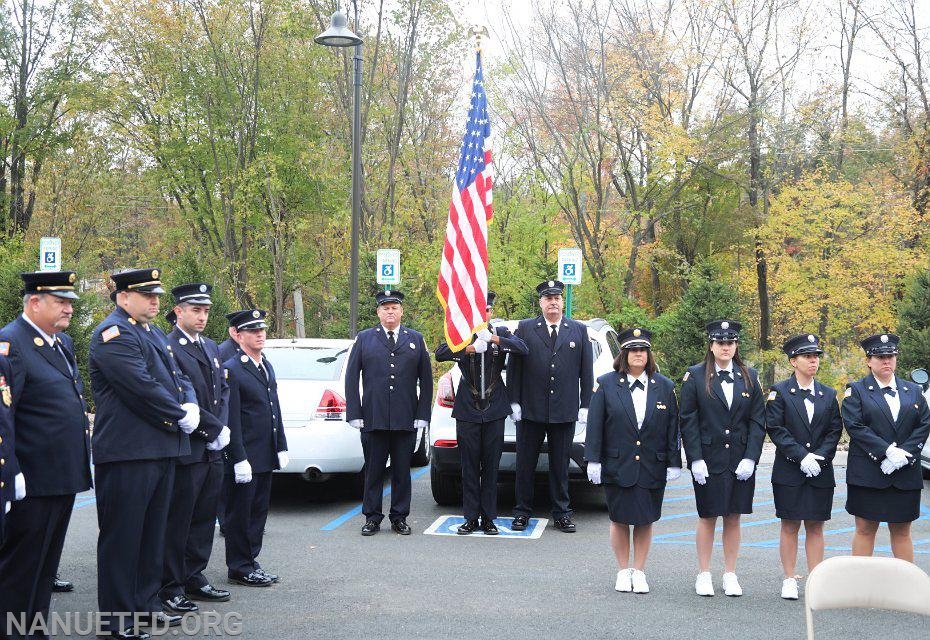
(920,376)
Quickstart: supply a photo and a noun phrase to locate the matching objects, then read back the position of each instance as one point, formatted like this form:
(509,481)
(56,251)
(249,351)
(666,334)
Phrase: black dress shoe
(489,528)
(271,576)
(371,528)
(208,594)
(127,634)
(179,605)
(520,523)
(254,579)
(565,524)
(469,526)
(62,586)
(401,527)
(159,619)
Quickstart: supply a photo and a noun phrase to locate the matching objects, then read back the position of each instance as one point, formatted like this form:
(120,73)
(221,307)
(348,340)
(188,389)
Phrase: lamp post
(339,35)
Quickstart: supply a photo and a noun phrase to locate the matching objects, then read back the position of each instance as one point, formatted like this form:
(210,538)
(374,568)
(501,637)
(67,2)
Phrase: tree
(914,323)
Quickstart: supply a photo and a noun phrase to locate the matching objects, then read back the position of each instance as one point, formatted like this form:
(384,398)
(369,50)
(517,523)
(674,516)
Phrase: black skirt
(724,494)
(803,502)
(633,505)
(883,505)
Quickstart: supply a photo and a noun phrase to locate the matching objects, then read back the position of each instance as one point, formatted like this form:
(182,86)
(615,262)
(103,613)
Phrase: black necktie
(262,369)
(391,342)
(199,345)
(61,352)
(889,391)
(637,384)
(725,376)
(552,334)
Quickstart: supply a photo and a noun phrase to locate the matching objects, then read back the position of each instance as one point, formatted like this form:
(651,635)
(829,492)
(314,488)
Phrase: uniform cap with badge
(390,295)
(799,345)
(138,280)
(881,344)
(550,288)
(247,319)
(56,283)
(723,330)
(635,338)
(192,293)
(491,297)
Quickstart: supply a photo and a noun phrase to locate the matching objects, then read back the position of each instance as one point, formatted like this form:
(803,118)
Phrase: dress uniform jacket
(208,377)
(9,469)
(138,390)
(795,437)
(712,432)
(256,432)
(545,382)
(228,349)
(389,378)
(630,456)
(53,439)
(468,405)
(871,430)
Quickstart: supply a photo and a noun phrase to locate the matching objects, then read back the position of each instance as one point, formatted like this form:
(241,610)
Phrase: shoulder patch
(772,394)
(110,333)
(687,375)
(4,348)
(848,392)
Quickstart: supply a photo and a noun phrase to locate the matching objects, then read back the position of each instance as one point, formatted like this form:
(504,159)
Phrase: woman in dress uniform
(633,446)
(803,420)
(887,421)
(722,426)
(479,419)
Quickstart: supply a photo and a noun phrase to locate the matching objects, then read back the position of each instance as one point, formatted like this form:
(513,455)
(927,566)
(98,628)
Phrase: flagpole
(478,31)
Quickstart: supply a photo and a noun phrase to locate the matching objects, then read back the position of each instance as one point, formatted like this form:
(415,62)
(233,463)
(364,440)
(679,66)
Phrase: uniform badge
(571,345)
(244,358)
(132,321)
(5,390)
(182,341)
(4,348)
(687,375)
(637,333)
(413,346)
(110,333)
(203,288)
(256,314)
(848,392)
(772,394)
(155,273)
(72,278)
(724,325)
(38,341)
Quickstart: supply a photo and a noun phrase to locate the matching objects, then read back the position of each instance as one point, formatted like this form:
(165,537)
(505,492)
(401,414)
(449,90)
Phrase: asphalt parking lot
(336,584)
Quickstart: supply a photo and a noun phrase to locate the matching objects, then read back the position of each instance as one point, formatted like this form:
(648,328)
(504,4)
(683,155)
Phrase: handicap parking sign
(447,525)
(388,270)
(570,266)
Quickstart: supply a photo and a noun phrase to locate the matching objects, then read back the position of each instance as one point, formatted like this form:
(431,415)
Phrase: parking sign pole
(568,301)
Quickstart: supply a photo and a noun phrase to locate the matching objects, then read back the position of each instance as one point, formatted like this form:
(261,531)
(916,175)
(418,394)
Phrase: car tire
(421,454)
(446,489)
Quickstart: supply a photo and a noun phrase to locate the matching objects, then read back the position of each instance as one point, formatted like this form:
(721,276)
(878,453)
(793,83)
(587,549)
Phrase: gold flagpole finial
(479,31)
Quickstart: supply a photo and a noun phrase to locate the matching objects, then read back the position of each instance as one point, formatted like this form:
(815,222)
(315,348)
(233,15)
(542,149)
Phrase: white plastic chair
(856,582)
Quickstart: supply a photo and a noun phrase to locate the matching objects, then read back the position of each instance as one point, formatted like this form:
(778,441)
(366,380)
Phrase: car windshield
(307,363)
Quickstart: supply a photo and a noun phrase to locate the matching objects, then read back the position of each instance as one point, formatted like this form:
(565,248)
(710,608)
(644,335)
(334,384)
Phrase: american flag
(463,274)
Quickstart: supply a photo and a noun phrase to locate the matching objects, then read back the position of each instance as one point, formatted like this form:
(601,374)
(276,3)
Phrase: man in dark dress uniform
(230,346)
(551,389)
(391,361)
(8,471)
(198,477)
(257,447)
(145,410)
(52,442)
(481,405)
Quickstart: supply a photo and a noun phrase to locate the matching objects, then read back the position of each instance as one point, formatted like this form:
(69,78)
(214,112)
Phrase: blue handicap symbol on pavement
(447,525)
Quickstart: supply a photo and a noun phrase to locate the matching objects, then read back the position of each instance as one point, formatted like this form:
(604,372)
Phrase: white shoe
(624,582)
(704,585)
(789,589)
(639,582)
(731,585)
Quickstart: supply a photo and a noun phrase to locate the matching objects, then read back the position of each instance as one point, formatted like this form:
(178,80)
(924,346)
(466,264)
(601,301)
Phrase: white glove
(7,506)
(809,465)
(699,471)
(745,469)
(897,456)
(583,416)
(283,459)
(19,484)
(221,441)
(672,474)
(485,335)
(594,472)
(516,413)
(420,424)
(243,471)
(191,418)
(888,467)
(357,424)
(480,346)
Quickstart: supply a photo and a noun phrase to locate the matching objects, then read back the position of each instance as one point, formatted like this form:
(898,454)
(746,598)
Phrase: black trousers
(34,536)
(530,436)
(377,445)
(246,514)
(133,500)
(191,523)
(480,445)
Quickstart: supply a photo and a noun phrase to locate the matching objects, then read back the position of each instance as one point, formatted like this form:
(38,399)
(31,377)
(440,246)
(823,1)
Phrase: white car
(920,376)
(446,468)
(311,388)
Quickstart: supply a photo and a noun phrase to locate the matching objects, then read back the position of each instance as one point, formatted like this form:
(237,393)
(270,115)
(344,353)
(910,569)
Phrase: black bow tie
(889,391)
(725,376)
(807,394)
(637,384)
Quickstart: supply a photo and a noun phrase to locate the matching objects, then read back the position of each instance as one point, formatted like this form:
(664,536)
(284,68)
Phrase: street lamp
(339,35)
